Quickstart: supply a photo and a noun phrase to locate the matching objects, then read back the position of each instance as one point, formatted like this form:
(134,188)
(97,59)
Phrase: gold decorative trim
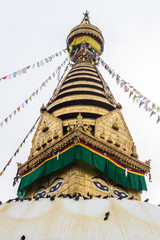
(77,134)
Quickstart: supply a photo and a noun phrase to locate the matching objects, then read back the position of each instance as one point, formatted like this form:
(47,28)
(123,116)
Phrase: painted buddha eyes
(40,192)
(54,187)
(100,185)
(120,194)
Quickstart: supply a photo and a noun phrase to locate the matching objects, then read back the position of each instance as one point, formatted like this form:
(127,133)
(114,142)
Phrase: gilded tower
(82,145)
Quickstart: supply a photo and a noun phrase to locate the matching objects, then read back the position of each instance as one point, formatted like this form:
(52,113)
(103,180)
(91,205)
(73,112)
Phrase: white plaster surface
(69,219)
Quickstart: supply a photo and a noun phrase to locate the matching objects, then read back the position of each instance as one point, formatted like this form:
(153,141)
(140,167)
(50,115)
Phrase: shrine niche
(48,132)
(113,129)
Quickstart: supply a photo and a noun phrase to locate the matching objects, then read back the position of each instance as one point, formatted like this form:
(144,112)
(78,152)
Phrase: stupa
(83,160)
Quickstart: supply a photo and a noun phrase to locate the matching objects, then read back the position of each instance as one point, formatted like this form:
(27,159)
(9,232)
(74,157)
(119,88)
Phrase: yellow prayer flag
(41,62)
(158,109)
(19,72)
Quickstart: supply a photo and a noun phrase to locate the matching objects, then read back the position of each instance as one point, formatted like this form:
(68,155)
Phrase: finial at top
(86,18)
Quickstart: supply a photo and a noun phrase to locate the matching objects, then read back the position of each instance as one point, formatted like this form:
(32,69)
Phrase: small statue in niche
(115,125)
(110,139)
(102,135)
(134,151)
(87,129)
(45,127)
(79,120)
(49,138)
(117,143)
(38,146)
(55,135)
(44,143)
(124,146)
(70,128)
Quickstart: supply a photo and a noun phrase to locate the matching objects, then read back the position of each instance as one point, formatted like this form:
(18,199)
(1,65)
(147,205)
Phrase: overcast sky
(32,30)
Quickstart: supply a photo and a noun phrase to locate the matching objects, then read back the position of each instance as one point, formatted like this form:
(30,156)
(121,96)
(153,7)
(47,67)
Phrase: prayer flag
(140,96)
(158,109)
(24,70)
(134,98)
(19,72)
(46,59)
(137,100)
(41,63)
(152,113)
(147,101)
(141,103)
(153,105)
(146,107)
(14,74)
(9,76)
(158,119)
(118,80)
(126,89)
(22,105)
(6,120)
(50,58)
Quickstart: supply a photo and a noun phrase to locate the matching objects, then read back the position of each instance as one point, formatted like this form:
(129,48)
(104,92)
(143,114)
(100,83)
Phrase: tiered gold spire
(82,125)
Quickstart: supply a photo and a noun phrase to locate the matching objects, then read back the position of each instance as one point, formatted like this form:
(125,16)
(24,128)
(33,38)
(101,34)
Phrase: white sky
(32,30)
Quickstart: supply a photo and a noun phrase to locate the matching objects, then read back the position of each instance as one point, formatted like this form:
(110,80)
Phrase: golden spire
(85,20)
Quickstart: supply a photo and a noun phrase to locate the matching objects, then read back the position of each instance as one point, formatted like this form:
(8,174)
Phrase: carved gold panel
(49,130)
(113,129)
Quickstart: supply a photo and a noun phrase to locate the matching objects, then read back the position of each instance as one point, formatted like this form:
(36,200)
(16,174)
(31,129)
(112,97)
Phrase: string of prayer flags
(136,95)
(20,146)
(133,92)
(34,94)
(32,66)
(55,91)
